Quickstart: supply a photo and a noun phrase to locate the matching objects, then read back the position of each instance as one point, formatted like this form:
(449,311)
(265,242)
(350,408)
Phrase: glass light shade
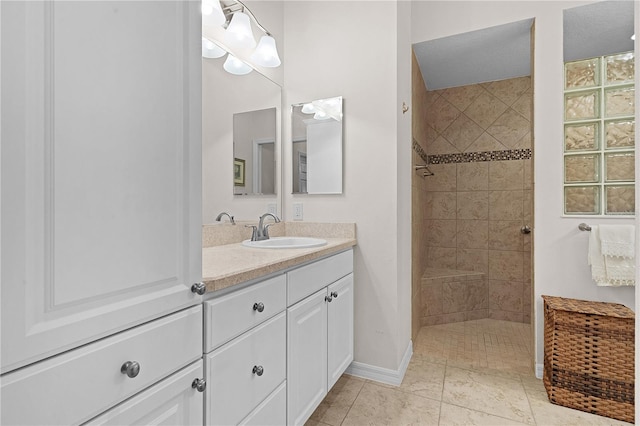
(211,50)
(266,53)
(235,66)
(212,14)
(239,33)
(308,108)
(321,115)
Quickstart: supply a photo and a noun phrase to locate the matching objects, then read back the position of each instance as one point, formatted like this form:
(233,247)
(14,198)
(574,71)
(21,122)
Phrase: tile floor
(468,373)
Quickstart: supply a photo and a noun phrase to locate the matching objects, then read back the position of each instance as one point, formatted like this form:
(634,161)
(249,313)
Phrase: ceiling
(503,52)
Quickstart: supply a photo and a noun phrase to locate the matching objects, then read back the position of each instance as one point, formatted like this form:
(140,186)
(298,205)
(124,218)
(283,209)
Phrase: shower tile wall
(474,209)
(418,194)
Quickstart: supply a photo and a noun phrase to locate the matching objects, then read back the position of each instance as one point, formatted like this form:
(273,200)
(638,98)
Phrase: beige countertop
(230,264)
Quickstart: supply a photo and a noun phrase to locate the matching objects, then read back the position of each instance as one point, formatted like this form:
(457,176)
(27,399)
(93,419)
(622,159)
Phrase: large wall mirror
(241,152)
(317,147)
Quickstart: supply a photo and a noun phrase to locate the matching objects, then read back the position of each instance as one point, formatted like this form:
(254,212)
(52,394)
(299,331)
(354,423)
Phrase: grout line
(354,401)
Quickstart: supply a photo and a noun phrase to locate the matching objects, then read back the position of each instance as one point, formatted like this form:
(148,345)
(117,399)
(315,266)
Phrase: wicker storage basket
(589,356)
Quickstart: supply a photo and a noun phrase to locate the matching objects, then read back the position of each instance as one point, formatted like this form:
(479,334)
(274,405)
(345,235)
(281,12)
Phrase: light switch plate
(297,211)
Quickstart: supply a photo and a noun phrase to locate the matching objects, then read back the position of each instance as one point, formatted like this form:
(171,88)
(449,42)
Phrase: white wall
(560,250)
(350,49)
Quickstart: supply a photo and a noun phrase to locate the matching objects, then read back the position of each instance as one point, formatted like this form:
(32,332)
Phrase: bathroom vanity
(273,348)
(277,335)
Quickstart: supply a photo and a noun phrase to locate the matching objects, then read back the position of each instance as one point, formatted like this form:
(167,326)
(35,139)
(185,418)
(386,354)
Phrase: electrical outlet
(272,208)
(297,211)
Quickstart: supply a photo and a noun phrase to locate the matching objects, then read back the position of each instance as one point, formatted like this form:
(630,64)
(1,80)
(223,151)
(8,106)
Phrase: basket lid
(588,307)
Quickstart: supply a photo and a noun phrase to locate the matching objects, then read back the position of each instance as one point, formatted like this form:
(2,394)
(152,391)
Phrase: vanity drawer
(272,411)
(308,279)
(77,385)
(174,400)
(230,315)
(233,389)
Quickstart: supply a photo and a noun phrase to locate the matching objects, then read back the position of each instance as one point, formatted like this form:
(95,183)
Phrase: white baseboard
(539,369)
(383,375)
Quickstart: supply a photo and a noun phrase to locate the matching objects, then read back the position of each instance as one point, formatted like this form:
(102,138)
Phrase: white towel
(618,240)
(609,270)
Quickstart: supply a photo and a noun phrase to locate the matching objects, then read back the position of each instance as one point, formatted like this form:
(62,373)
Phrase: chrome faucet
(261,232)
(219,218)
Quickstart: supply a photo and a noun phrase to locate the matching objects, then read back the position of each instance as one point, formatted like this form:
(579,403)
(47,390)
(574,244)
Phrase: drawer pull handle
(199,384)
(130,368)
(199,288)
(257,369)
(334,294)
(328,298)
(258,306)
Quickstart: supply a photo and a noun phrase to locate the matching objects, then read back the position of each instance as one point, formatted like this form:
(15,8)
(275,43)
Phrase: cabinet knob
(259,306)
(334,294)
(130,368)
(328,298)
(526,229)
(199,288)
(257,369)
(199,384)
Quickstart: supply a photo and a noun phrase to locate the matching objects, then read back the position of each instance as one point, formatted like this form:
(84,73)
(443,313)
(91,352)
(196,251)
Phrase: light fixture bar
(250,13)
(233,8)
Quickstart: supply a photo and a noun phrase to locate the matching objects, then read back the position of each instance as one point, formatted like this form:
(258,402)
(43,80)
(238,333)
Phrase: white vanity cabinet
(80,384)
(101,204)
(319,332)
(245,355)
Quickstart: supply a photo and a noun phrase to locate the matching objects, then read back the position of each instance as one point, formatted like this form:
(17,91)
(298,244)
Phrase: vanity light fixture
(266,53)
(211,50)
(239,34)
(324,109)
(235,66)
(212,13)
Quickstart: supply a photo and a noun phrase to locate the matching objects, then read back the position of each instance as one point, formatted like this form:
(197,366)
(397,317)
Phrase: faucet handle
(254,232)
(265,232)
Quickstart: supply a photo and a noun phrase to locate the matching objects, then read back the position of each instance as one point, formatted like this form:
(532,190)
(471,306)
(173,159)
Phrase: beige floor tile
(378,405)
(335,406)
(482,372)
(546,413)
(423,378)
(453,415)
(499,396)
(312,422)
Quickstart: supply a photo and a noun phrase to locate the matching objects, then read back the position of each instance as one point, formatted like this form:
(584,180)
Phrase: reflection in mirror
(226,102)
(317,147)
(254,140)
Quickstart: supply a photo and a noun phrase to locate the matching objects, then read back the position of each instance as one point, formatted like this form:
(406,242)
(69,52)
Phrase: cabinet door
(306,356)
(173,401)
(100,199)
(340,328)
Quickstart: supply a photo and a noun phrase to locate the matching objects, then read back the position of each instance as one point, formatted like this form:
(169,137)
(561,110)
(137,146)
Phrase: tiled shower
(471,259)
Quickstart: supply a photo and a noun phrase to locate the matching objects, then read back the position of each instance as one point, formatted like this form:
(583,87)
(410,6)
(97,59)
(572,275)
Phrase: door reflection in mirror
(317,147)
(254,137)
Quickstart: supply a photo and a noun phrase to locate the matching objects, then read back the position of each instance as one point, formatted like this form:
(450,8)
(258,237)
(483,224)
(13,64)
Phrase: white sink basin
(286,243)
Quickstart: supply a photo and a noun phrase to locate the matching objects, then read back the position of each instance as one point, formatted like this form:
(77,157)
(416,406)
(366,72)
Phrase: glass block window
(599,136)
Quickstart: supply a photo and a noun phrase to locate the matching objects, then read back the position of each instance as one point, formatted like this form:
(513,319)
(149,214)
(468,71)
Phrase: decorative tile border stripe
(418,149)
(471,157)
